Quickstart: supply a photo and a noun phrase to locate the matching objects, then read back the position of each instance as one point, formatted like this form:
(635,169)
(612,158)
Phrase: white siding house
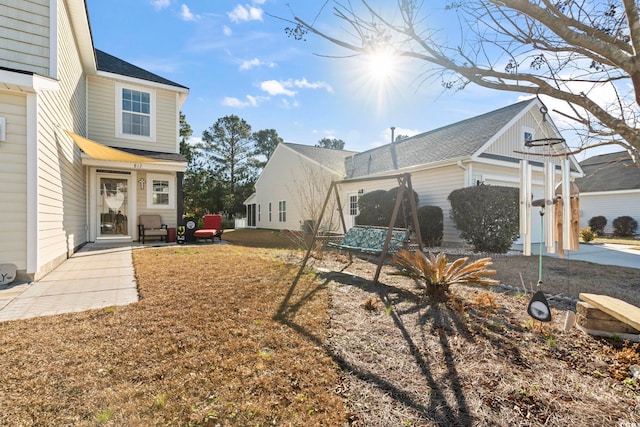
(293,185)
(51,190)
(610,188)
(483,150)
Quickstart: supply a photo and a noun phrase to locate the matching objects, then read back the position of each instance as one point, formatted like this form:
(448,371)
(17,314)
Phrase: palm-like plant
(438,273)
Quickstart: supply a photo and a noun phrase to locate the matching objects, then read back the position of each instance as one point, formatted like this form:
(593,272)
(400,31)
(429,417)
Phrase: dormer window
(135,113)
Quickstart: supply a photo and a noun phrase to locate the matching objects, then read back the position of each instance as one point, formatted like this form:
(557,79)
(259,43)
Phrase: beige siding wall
(13,176)
(168,216)
(24,35)
(102,117)
(61,177)
(611,206)
(512,139)
(300,183)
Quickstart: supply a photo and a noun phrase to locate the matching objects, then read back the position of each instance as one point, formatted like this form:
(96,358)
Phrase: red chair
(211,227)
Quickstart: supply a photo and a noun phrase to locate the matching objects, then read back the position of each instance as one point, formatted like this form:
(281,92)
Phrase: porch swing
(369,240)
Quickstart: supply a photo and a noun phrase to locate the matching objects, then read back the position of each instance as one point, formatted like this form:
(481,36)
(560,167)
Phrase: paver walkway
(97,276)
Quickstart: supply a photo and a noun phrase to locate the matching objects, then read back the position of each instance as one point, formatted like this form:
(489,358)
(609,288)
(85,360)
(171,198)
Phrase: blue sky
(236,59)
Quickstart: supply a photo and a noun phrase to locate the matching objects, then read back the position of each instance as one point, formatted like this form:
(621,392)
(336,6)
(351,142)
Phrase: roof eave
(79,16)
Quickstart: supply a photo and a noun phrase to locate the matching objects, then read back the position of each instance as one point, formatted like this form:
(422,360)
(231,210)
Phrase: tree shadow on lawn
(435,318)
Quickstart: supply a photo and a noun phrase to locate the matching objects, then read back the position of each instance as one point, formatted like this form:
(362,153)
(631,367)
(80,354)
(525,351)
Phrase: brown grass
(211,341)
(224,335)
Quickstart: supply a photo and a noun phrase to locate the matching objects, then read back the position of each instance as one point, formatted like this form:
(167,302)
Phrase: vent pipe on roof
(393,129)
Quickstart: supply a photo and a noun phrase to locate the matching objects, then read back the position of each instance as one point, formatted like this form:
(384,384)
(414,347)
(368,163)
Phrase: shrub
(438,274)
(486,216)
(431,220)
(597,224)
(404,213)
(376,208)
(587,235)
(624,226)
(373,208)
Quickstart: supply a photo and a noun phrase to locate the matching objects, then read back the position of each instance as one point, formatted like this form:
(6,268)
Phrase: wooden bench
(370,240)
(151,226)
(602,315)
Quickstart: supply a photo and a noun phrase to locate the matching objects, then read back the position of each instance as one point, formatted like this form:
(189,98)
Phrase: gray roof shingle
(456,140)
(111,64)
(327,157)
(609,172)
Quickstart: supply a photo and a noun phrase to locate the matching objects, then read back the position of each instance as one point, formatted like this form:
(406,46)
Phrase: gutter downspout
(466,172)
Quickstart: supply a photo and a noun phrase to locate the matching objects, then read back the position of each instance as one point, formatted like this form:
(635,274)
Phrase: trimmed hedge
(431,223)
(376,208)
(486,216)
(624,226)
(597,224)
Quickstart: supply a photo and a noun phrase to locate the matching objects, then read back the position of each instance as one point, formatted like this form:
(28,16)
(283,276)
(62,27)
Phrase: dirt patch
(476,360)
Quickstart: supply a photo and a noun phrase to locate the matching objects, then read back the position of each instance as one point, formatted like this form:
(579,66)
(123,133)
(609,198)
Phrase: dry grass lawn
(224,335)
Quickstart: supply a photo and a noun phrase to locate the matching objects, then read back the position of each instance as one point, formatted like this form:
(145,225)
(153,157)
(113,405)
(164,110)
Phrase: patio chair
(211,228)
(151,226)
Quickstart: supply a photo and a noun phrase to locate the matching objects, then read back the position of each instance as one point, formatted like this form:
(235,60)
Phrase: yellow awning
(102,152)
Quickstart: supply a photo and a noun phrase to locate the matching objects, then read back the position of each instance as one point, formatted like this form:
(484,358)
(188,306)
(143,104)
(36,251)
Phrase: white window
(353,205)
(160,191)
(135,113)
(282,211)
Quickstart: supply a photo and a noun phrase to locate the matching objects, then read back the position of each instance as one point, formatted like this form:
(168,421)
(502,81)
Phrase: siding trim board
(33,185)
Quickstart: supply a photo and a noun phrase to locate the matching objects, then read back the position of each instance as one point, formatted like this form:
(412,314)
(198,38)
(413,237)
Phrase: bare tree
(585,53)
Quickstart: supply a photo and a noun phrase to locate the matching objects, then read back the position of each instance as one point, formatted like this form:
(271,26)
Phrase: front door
(113,206)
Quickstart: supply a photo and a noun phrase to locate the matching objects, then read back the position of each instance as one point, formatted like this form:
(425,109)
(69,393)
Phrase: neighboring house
(482,150)
(610,187)
(56,89)
(293,185)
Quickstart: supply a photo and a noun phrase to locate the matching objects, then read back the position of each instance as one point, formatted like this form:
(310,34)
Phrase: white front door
(113,206)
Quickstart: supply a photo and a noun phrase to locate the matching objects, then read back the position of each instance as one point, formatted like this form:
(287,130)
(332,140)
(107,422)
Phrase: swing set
(370,240)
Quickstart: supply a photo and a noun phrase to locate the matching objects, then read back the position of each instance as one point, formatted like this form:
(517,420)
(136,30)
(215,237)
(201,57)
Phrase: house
(293,185)
(482,150)
(87,141)
(610,187)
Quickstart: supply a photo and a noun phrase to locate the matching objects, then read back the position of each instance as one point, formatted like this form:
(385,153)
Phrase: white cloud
(315,85)
(259,1)
(288,104)
(255,62)
(186,15)
(248,13)
(274,87)
(247,65)
(252,101)
(160,4)
(226,31)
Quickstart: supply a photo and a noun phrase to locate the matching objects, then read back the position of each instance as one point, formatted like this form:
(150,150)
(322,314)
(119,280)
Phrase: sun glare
(381,66)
